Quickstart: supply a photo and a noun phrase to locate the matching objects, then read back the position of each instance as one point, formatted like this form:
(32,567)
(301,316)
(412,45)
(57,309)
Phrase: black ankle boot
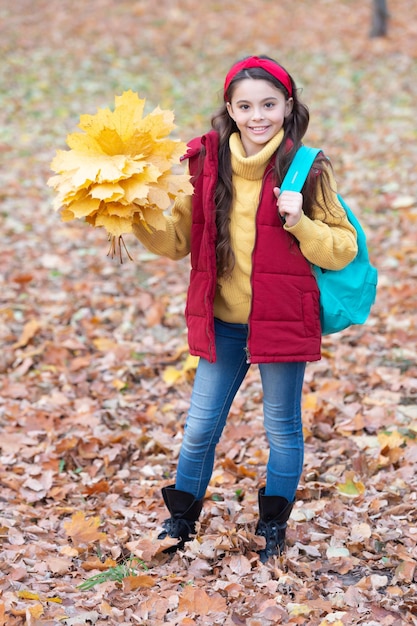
(274,512)
(185,511)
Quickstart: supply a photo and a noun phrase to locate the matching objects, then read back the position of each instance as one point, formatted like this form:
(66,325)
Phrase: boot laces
(178,527)
(274,535)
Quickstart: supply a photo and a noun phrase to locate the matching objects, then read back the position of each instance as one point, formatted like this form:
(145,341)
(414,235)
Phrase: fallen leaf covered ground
(95,378)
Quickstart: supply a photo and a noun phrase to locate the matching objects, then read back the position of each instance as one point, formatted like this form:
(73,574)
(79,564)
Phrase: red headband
(269,66)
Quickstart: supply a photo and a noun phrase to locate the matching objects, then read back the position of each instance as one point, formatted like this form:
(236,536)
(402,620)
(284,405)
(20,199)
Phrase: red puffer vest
(284,322)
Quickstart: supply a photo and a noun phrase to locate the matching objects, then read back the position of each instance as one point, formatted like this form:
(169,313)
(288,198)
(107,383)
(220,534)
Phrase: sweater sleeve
(174,240)
(329,242)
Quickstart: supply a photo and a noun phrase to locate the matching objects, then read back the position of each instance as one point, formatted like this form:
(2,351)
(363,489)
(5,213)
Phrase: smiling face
(258,109)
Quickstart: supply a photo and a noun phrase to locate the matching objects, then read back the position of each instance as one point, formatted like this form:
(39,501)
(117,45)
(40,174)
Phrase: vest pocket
(311,313)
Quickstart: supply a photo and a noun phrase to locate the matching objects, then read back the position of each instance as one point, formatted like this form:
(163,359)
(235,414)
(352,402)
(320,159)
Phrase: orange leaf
(238,470)
(95,563)
(310,402)
(100,487)
(22,279)
(82,530)
(130,583)
(36,611)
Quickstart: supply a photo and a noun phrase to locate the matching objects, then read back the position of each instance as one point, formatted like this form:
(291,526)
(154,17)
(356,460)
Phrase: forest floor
(95,380)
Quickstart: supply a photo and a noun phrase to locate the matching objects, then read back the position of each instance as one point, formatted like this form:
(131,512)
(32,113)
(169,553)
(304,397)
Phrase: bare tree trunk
(380,18)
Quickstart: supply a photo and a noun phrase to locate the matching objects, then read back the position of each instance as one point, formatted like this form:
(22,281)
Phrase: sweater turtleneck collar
(252,167)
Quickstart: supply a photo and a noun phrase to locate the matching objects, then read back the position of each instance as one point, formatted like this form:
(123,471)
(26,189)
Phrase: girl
(252,296)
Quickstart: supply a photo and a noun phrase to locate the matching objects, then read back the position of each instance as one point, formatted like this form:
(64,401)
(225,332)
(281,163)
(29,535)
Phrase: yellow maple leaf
(137,186)
(150,217)
(115,225)
(175,183)
(160,123)
(83,208)
(108,192)
(190,363)
(159,197)
(80,142)
(83,530)
(124,119)
(172,375)
(120,160)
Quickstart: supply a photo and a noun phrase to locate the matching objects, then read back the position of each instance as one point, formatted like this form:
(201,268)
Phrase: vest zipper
(210,341)
(268,170)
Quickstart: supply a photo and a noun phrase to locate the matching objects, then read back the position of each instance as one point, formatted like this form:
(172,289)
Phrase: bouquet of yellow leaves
(120,169)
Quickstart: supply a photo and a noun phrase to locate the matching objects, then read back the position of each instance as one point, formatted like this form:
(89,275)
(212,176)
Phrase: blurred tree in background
(380,17)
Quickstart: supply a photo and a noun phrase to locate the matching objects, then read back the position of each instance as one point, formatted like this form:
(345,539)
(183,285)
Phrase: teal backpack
(346,295)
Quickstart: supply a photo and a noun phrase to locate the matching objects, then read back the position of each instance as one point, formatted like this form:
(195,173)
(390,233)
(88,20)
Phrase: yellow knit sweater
(330,244)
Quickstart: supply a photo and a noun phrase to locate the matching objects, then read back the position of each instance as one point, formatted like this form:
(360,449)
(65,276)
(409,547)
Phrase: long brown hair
(295,127)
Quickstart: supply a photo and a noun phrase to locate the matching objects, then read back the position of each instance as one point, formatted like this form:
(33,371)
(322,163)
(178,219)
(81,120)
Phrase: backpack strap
(300,166)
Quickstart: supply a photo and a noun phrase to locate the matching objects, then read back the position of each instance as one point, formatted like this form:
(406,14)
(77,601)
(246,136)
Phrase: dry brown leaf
(197,602)
(82,390)
(58,565)
(29,331)
(240,565)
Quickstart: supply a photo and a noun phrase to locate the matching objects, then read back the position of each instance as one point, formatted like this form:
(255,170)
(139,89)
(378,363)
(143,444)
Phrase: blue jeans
(215,387)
